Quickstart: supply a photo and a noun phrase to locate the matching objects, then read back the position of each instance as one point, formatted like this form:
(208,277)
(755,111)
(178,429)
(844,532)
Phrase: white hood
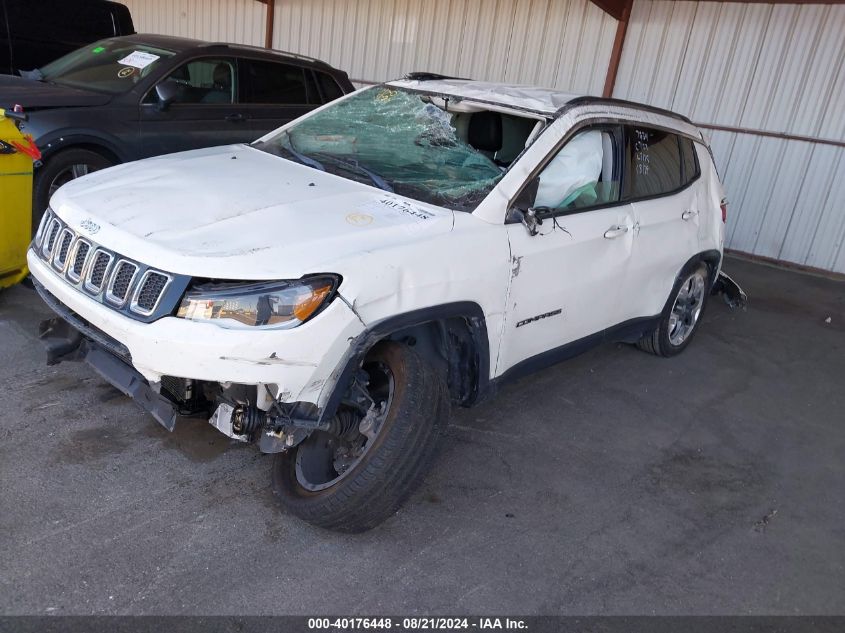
(235,212)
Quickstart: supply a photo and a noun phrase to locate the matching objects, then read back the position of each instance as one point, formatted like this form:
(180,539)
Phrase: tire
(59,169)
(681,315)
(394,462)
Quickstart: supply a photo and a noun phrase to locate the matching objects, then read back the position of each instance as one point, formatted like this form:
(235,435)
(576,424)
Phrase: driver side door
(567,280)
(205,113)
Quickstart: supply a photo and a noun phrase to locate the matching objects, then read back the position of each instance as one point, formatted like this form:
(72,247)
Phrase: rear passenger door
(276,93)
(657,181)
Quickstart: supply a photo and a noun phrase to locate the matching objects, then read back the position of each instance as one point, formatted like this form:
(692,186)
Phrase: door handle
(235,118)
(615,231)
(688,214)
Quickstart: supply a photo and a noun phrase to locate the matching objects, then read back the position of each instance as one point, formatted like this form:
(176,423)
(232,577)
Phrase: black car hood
(38,94)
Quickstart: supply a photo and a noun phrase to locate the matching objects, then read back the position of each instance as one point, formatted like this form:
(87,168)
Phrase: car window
(207,81)
(110,66)
(328,87)
(397,140)
(272,82)
(691,168)
(653,162)
(582,174)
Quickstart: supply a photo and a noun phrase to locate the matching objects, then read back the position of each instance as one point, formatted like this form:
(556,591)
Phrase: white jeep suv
(330,289)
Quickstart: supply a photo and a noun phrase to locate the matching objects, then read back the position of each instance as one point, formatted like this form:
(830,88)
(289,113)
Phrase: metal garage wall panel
(786,198)
(240,21)
(562,44)
(827,249)
(817,219)
(760,66)
(558,43)
(777,68)
(777,206)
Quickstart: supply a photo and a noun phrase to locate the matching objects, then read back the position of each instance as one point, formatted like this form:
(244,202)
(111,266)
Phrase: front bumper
(64,341)
(297,364)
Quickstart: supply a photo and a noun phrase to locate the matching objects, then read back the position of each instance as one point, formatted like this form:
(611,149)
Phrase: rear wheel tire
(681,315)
(60,169)
(307,480)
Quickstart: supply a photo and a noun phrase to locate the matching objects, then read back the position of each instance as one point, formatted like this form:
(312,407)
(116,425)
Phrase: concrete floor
(712,483)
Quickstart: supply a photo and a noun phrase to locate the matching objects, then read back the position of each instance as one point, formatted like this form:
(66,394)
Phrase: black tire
(58,170)
(392,468)
(661,341)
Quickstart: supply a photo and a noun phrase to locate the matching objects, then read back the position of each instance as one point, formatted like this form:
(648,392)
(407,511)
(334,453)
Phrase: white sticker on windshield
(138,59)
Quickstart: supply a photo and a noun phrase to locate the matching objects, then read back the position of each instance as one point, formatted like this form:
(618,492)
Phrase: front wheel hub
(325,458)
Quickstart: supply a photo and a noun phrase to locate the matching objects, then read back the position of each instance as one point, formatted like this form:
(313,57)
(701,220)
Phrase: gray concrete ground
(614,483)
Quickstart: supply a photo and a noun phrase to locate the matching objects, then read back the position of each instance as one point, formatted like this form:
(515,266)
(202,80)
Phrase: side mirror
(167,92)
(523,207)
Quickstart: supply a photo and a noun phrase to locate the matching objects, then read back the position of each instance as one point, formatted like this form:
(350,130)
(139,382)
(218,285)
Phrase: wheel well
(451,346)
(712,258)
(452,337)
(104,151)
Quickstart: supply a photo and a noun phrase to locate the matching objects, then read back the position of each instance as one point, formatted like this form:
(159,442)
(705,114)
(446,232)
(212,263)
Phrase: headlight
(267,304)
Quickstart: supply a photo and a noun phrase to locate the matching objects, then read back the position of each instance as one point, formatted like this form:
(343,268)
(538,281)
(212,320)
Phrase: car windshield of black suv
(408,143)
(107,66)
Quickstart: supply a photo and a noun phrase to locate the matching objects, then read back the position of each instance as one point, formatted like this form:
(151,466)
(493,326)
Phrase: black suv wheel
(59,170)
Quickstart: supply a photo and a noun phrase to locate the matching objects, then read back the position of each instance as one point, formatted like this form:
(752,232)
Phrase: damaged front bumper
(64,342)
(171,367)
(273,432)
(296,365)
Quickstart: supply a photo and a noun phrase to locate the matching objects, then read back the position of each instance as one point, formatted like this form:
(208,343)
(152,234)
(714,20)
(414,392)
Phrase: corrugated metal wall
(777,68)
(558,43)
(240,21)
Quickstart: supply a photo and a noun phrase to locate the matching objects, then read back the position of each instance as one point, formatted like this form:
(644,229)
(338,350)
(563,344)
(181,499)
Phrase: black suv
(127,98)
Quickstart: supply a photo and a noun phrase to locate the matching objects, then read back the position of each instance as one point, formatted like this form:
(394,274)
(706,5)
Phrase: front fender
(54,142)
(470,311)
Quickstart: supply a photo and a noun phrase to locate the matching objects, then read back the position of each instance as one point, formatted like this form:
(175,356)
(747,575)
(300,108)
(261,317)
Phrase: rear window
(653,163)
(272,82)
(691,168)
(329,87)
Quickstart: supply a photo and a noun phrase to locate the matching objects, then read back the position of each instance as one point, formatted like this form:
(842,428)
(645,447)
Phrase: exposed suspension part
(247,420)
(276,432)
(345,425)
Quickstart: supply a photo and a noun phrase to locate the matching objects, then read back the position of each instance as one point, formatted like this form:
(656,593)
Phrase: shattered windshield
(394,140)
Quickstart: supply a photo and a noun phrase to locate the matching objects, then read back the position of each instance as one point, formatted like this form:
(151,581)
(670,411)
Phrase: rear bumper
(734,296)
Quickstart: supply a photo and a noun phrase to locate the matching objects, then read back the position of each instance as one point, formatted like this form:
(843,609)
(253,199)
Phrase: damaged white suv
(327,291)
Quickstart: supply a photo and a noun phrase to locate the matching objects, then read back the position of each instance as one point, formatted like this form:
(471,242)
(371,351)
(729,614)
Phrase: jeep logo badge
(90,226)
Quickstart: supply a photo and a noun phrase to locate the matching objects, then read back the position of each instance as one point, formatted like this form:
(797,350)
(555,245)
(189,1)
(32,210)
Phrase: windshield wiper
(302,158)
(375,178)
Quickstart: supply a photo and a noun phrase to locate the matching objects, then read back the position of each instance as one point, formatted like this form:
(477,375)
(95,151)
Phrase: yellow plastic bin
(17,152)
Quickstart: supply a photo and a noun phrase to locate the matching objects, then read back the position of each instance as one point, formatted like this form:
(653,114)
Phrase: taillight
(724,206)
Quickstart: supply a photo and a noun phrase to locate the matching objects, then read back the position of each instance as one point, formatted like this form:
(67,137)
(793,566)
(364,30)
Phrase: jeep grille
(120,283)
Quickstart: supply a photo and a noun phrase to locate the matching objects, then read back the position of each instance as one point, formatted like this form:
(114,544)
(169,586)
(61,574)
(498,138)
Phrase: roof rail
(272,51)
(577,101)
(427,76)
